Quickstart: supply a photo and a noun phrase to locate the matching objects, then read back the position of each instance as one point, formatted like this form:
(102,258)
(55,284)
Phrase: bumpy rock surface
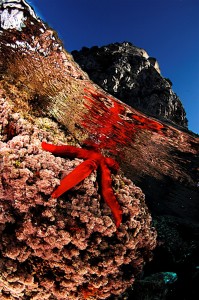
(65,248)
(128,73)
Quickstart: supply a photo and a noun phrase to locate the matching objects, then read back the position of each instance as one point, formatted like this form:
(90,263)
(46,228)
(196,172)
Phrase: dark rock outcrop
(128,73)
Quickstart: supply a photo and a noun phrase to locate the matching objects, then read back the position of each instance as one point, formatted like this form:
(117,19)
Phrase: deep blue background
(167,29)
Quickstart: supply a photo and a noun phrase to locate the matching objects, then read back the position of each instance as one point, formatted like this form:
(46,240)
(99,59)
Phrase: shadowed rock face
(128,73)
(43,97)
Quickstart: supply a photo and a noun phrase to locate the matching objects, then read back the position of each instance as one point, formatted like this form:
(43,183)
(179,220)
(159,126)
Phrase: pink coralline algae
(69,247)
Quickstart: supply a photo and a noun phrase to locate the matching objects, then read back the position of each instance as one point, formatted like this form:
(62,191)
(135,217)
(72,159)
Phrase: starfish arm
(65,150)
(76,176)
(112,164)
(93,160)
(108,195)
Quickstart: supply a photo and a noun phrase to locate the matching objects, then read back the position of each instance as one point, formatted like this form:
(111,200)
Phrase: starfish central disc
(93,161)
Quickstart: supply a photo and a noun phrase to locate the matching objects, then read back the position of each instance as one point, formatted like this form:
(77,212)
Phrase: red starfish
(93,161)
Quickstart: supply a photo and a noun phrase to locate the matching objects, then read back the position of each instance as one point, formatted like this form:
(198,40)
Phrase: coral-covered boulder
(65,248)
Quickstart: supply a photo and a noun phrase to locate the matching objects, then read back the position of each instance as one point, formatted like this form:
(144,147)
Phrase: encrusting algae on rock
(65,248)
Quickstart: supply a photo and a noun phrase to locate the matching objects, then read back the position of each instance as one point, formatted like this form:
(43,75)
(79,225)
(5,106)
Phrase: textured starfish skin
(93,161)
